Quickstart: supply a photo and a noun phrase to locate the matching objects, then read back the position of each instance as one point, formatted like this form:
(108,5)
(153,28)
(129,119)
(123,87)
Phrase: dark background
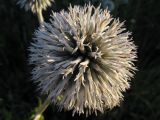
(18,96)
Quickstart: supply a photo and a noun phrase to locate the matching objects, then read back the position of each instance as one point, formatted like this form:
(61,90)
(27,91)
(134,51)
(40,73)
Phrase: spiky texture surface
(85,58)
(34,5)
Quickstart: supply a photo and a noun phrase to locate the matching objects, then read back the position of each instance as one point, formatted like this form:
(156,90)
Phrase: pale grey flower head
(85,58)
(35,5)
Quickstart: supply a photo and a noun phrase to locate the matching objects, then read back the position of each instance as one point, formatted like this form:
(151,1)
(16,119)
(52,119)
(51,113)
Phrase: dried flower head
(85,58)
(35,5)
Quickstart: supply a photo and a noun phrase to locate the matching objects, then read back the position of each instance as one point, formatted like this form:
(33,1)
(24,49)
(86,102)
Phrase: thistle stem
(42,109)
(40,16)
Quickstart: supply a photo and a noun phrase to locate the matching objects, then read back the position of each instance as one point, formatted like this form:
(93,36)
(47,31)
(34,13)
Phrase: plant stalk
(40,16)
(42,109)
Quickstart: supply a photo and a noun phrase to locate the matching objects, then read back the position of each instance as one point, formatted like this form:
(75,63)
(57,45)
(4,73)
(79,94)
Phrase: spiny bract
(85,58)
(35,5)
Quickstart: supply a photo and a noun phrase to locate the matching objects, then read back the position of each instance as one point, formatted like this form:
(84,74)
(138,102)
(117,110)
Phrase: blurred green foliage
(18,96)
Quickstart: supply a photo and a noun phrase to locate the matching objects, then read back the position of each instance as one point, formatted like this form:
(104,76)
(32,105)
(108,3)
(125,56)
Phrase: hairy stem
(40,16)
(42,109)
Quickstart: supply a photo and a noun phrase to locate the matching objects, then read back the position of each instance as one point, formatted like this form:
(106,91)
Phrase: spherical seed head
(85,58)
(35,5)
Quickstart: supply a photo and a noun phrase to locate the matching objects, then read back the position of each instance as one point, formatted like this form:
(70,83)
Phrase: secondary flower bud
(35,5)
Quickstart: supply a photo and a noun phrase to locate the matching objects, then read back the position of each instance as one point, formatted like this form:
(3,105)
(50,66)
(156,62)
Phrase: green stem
(42,109)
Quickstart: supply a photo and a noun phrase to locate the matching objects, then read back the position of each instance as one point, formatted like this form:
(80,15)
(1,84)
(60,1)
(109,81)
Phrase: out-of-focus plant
(111,4)
(108,4)
(36,6)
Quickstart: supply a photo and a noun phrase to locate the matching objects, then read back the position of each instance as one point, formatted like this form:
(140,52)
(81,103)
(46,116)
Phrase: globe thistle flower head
(85,58)
(35,5)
